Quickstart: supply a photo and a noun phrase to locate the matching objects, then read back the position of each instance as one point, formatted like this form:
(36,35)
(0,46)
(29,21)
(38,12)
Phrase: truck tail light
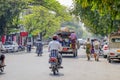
(112,53)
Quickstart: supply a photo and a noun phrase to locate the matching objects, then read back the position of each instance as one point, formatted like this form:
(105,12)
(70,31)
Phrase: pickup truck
(67,44)
(114,47)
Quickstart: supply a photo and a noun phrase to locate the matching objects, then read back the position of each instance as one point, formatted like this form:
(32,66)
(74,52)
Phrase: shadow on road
(71,56)
(115,62)
(57,75)
(2,73)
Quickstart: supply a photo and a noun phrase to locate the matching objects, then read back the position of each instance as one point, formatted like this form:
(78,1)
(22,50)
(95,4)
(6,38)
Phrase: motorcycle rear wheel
(54,72)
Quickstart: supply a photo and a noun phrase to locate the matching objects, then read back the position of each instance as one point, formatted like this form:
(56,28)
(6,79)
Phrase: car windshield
(8,43)
(115,39)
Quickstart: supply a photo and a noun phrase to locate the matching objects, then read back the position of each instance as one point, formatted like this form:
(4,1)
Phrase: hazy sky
(67,3)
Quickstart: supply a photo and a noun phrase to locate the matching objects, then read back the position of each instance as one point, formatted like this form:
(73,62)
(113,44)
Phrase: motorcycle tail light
(112,53)
(53,59)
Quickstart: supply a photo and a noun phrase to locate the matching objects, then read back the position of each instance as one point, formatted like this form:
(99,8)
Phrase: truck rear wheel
(75,53)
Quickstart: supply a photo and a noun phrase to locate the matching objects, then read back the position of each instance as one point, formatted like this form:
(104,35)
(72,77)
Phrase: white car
(9,46)
(114,51)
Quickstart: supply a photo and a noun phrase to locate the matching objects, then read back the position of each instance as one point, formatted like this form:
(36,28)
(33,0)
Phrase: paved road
(28,66)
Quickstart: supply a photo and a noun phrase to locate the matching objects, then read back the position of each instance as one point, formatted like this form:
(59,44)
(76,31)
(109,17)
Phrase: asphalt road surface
(28,66)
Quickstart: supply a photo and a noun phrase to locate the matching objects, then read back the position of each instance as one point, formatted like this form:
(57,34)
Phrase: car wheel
(105,56)
(17,50)
(75,53)
(13,49)
(109,61)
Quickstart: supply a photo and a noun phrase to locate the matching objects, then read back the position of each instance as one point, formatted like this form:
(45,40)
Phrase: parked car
(114,47)
(9,46)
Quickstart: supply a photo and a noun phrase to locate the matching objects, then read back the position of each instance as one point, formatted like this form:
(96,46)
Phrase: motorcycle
(39,49)
(28,48)
(54,65)
(2,68)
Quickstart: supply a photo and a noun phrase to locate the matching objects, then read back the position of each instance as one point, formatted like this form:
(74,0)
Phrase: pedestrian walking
(88,47)
(92,46)
(96,44)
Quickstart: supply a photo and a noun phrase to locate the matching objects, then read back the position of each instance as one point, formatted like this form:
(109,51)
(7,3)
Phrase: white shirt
(29,43)
(54,45)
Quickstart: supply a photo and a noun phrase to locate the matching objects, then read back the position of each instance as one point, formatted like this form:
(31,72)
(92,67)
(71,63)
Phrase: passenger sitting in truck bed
(60,40)
(73,38)
(67,42)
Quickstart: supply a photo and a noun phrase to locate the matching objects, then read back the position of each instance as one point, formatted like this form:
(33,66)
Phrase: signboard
(23,34)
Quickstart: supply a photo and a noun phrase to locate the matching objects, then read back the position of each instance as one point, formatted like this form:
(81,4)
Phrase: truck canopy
(114,40)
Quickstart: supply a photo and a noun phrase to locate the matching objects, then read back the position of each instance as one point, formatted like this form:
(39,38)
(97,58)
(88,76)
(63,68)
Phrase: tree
(100,16)
(9,9)
(41,19)
(45,17)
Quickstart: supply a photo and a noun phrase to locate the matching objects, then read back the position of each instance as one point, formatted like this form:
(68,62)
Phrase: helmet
(55,37)
(38,39)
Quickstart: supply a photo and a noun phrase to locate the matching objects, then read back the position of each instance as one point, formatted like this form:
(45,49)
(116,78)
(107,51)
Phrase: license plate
(64,49)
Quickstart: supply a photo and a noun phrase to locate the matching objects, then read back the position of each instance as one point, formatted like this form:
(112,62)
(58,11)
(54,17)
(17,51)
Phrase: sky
(67,3)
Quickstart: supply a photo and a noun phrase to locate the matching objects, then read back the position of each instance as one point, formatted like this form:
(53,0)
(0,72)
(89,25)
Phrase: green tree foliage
(45,14)
(53,5)
(41,19)
(45,17)
(100,16)
(9,9)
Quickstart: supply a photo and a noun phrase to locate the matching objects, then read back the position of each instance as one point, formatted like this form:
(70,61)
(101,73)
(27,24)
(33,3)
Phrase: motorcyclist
(39,46)
(29,45)
(54,47)
(2,59)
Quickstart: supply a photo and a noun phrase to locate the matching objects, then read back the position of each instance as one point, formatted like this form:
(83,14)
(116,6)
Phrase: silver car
(9,46)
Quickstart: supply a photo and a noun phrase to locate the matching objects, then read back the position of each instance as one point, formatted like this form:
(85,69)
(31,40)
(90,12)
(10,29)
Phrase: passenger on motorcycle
(2,60)
(54,47)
